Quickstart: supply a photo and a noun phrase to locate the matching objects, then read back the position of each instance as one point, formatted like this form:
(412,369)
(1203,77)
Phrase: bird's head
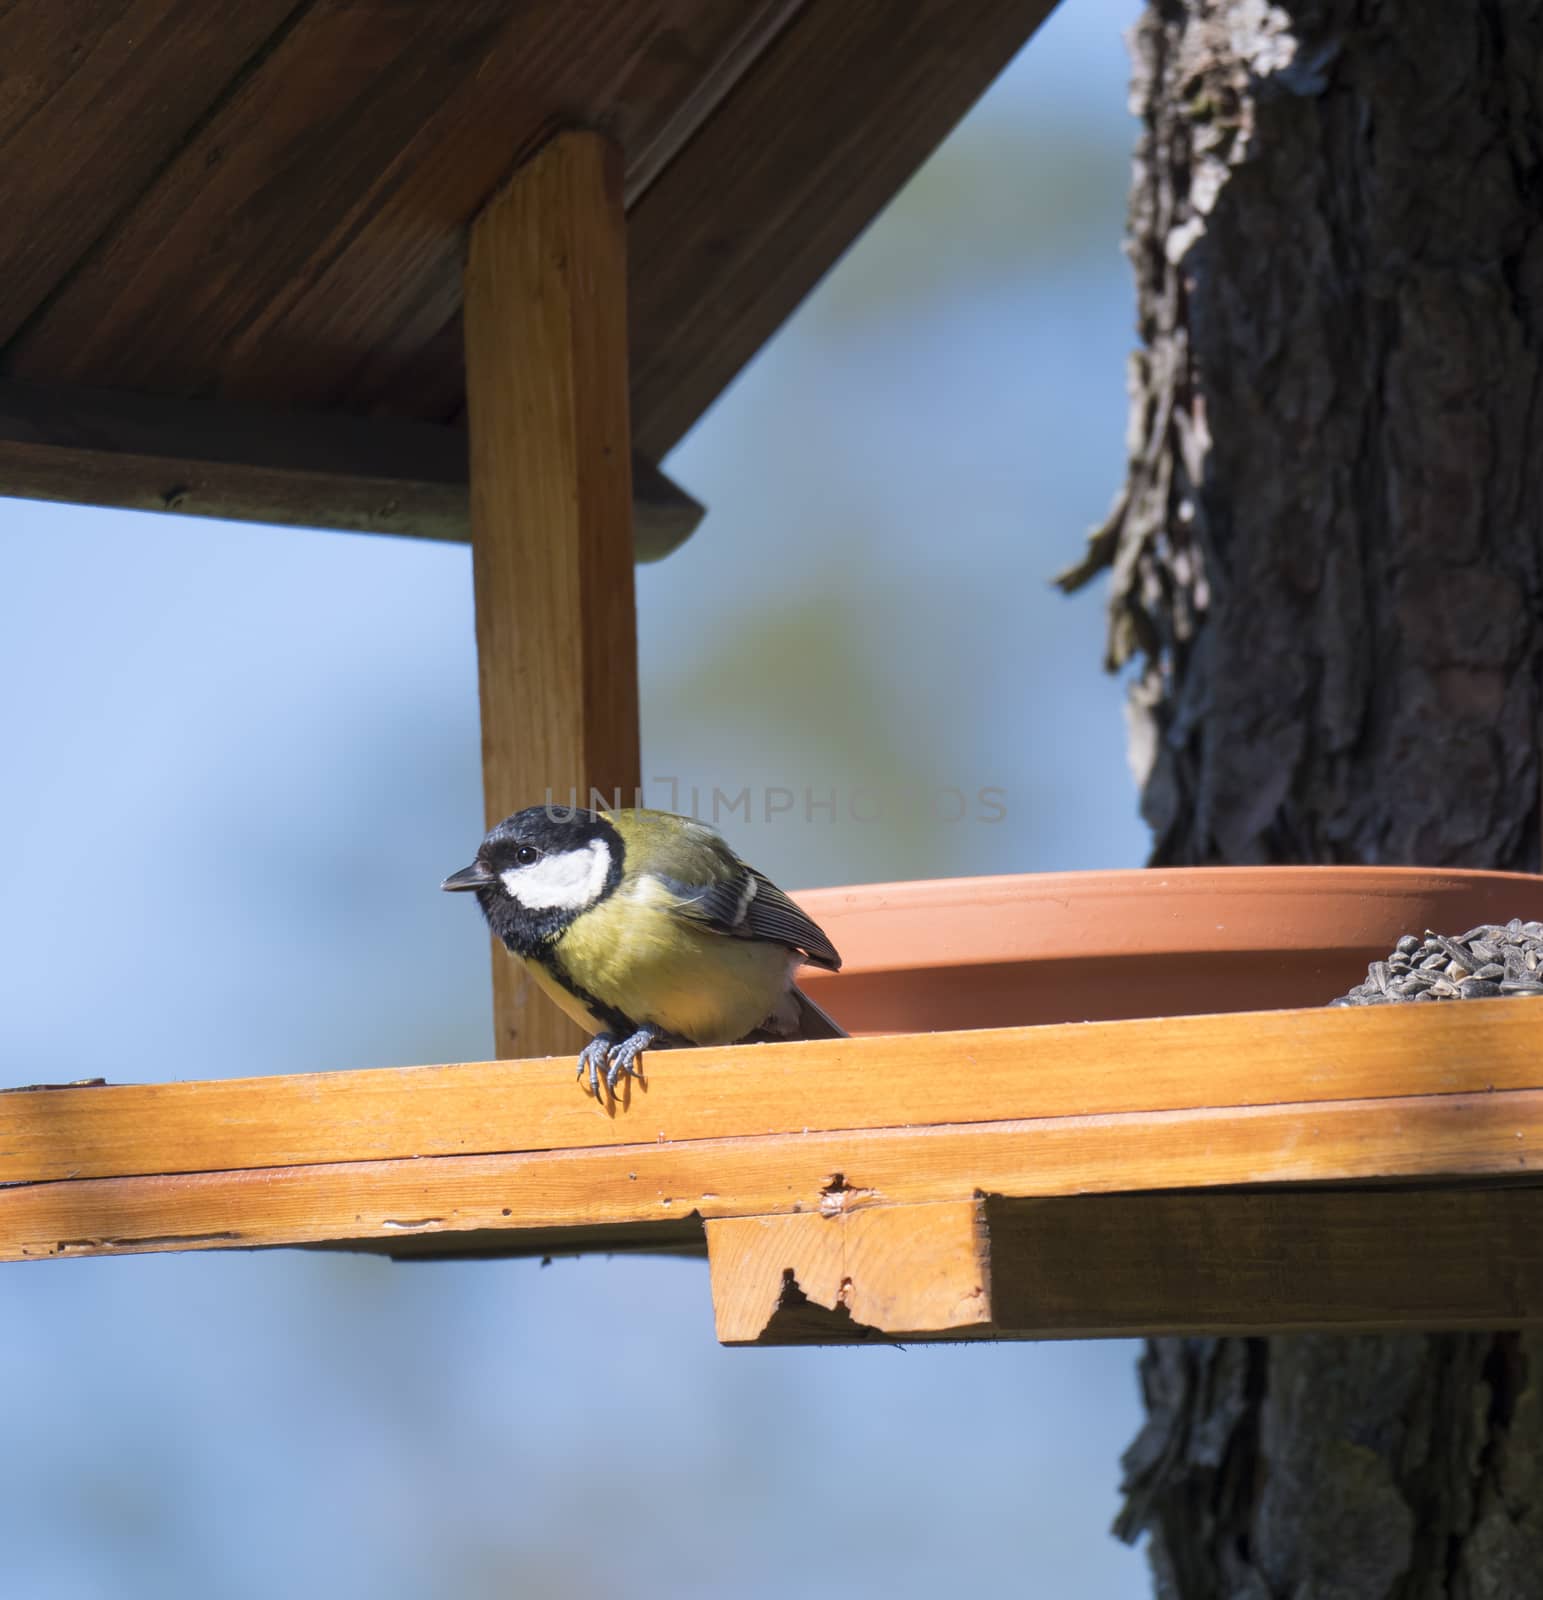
(539,869)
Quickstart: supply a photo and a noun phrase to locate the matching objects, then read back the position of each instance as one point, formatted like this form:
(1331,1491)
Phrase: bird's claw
(615,1058)
(593,1057)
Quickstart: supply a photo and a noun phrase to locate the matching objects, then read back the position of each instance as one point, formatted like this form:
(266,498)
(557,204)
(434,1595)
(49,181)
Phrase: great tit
(646,928)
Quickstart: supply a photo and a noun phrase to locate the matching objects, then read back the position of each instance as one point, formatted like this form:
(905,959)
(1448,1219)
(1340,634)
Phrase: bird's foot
(595,1055)
(616,1058)
(626,1056)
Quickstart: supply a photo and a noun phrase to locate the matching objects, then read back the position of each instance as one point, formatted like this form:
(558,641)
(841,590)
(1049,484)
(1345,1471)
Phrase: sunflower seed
(1452,950)
(1487,961)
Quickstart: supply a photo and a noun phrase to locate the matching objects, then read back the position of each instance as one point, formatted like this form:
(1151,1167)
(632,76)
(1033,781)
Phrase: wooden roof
(260,209)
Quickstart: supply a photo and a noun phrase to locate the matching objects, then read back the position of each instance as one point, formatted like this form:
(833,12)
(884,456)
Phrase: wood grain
(817,137)
(1293,1262)
(273,209)
(551,497)
(1431,1140)
(895,1269)
(253,205)
(95,98)
(697,55)
(1064,1071)
(1098,1266)
(359,474)
(305,243)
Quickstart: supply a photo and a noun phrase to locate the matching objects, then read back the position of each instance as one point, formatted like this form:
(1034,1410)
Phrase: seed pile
(1485,963)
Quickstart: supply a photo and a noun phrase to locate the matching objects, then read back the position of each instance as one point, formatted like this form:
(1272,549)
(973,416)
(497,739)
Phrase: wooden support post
(551,493)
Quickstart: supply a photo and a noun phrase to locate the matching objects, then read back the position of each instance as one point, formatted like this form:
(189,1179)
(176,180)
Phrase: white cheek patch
(568,881)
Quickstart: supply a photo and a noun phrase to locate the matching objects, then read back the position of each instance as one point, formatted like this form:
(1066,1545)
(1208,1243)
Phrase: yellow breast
(653,967)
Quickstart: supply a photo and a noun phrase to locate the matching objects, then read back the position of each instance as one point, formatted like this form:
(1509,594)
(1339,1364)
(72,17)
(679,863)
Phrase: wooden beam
(1371,1260)
(912,1270)
(146,452)
(551,496)
(819,135)
(1047,1074)
(1430,1140)
(1121,1265)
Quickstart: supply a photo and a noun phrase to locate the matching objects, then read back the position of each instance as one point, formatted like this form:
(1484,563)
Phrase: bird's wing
(734,899)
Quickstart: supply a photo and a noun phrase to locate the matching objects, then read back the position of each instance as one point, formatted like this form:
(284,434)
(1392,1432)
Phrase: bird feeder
(468,271)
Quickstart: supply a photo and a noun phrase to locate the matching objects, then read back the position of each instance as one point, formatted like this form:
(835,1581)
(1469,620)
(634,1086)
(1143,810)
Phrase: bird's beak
(476,876)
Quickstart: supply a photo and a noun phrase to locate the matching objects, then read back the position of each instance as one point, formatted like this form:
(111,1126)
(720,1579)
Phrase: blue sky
(240,759)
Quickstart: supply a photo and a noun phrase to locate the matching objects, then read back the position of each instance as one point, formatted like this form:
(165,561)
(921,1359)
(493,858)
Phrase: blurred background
(238,762)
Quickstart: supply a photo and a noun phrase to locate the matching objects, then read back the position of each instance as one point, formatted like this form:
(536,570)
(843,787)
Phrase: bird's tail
(797,1017)
(813,1023)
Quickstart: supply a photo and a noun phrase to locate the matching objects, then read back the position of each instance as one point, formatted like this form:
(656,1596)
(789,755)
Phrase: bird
(649,931)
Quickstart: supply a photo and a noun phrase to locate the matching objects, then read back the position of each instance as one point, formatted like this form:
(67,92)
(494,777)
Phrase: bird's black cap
(520,841)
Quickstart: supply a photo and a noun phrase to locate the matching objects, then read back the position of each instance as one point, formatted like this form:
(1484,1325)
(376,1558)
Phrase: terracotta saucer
(1091,946)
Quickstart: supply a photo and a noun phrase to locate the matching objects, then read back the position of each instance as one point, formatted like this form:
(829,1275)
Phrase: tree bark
(1327,562)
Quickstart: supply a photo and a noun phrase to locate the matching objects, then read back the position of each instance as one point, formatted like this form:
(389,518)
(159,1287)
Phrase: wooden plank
(261,198)
(695,58)
(901,1270)
(721,43)
(360,474)
(306,241)
(1292,1262)
(814,141)
(98,95)
(1065,1071)
(551,496)
(1118,1266)
(1428,1139)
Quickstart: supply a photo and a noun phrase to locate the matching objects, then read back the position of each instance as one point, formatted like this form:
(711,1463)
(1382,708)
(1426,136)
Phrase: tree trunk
(1327,558)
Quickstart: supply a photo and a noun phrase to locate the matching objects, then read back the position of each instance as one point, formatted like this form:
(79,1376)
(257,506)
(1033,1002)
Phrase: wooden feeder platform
(1253,1172)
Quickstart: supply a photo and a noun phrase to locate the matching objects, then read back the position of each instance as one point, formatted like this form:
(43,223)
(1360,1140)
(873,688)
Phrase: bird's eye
(527,855)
